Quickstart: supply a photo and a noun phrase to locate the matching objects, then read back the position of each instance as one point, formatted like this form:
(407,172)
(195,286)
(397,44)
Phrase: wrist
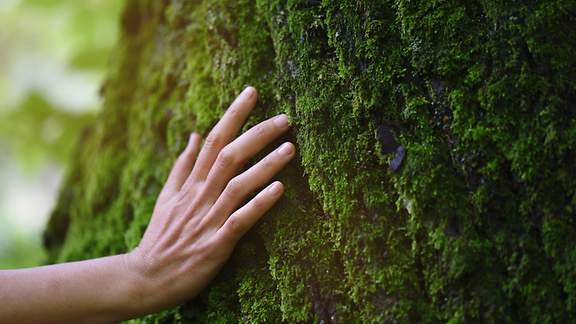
(139,295)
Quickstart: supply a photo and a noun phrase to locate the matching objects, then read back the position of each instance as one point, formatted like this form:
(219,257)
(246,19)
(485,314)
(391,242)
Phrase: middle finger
(235,154)
(224,132)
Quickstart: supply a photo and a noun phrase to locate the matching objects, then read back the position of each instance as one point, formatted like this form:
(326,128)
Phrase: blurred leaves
(53,57)
(90,26)
(37,131)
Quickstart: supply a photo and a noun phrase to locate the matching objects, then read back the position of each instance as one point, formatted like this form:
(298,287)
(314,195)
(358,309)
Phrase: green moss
(478,224)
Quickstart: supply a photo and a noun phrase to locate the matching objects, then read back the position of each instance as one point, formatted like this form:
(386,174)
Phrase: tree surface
(436,173)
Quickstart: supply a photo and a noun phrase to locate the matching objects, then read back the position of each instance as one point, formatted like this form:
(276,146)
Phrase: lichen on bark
(478,224)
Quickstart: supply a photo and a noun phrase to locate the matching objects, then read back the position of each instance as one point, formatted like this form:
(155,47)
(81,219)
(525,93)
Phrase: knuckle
(234,112)
(226,158)
(268,163)
(234,225)
(213,141)
(235,189)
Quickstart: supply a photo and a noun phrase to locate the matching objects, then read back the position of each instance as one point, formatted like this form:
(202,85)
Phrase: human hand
(198,217)
(197,220)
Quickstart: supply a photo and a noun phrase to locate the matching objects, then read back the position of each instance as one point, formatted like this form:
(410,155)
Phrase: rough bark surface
(478,224)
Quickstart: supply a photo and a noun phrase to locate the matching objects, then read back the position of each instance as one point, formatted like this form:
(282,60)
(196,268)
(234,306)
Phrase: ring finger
(242,185)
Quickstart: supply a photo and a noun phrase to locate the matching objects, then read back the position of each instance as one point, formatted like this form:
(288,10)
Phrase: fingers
(183,165)
(244,218)
(234,155)
(242,185)
(224,132)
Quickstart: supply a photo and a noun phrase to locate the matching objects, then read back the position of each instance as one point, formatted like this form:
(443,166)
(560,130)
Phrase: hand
(196,222)
(199,217)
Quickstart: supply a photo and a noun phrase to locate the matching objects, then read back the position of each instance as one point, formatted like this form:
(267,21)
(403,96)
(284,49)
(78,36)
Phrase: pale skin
(199,217)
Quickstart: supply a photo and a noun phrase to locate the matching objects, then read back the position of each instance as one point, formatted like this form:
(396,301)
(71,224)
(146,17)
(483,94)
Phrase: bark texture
(475,221)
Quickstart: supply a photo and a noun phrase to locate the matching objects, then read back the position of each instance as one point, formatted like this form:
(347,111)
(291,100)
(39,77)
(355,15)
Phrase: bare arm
(98,290)
(197,220)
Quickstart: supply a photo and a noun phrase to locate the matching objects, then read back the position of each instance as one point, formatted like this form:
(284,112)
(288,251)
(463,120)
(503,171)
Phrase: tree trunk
(436,171)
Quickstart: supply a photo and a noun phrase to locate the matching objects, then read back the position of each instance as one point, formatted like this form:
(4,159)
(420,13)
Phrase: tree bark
(436,140)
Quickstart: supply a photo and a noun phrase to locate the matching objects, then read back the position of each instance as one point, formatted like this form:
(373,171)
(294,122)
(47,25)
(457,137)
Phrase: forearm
(100,290)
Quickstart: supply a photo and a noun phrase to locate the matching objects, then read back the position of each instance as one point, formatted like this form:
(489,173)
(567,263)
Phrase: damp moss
(477,225)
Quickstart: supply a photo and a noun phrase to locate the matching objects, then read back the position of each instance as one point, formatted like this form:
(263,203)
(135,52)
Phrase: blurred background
(53,57)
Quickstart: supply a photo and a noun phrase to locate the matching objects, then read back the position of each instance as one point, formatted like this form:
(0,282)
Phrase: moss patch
(478,224)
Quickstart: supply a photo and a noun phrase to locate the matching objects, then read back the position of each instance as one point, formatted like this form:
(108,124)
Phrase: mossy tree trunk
(478,223)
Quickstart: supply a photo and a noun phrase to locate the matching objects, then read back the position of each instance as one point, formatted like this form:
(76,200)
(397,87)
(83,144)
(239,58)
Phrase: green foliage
(37,131)
(479,223)
(53,57)
(90,28)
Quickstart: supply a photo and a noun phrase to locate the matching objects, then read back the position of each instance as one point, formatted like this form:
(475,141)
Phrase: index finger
(223,133)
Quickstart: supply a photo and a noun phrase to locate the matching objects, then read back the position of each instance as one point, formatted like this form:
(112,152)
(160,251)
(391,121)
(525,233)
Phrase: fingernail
(286,149)
(281,121)
(249,92)
(275,188)
(192,138)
